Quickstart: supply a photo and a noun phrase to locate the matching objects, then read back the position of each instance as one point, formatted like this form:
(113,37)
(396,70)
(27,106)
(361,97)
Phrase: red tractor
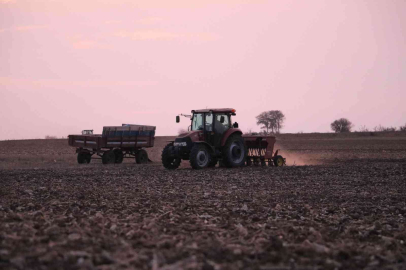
(212,138)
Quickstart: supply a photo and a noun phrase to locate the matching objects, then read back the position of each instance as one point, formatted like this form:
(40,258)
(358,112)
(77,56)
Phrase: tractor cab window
(209,122)
(197,121)
(222,123)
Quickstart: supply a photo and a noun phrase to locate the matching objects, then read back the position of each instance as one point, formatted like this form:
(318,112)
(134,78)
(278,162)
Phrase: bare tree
(265,119)
(271,121)
(402,128)
(341,125)
(363,129)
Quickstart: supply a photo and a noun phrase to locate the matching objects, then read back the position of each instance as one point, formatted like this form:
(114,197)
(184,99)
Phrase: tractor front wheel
(234,152)
(199,157)
(170,162)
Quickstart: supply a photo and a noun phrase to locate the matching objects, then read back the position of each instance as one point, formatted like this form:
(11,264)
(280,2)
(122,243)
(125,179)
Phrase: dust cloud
(296,159)
(293,159)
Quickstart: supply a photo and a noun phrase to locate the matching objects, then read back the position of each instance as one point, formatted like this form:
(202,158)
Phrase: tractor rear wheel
(141,157)
(234,152)
(109,157)
(119,155)
(170,162)
(199,156)
(278,161)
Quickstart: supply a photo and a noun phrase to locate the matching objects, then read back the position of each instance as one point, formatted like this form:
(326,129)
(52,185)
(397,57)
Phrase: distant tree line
(344,125)
(272,122)
(51,137)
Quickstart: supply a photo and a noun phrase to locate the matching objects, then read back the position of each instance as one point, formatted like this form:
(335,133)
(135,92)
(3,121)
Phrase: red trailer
(115,144)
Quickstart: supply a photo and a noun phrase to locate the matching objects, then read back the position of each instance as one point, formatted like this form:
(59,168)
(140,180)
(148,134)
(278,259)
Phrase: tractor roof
(221,110)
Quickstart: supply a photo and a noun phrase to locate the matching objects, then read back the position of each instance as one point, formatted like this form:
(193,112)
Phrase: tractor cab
(87,132)
(210,125)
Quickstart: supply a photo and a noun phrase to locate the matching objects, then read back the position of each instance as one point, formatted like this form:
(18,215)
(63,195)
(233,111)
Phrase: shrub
(381,128)
(363,129)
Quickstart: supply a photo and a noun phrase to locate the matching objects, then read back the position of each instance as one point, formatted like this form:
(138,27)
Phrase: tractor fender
(211,150)
(228,133)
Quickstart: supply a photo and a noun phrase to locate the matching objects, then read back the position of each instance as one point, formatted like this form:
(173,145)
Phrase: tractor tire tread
(226,159)
(169,162)
(194,154)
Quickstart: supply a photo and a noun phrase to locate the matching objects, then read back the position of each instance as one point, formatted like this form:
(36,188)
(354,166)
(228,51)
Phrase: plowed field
(340,204)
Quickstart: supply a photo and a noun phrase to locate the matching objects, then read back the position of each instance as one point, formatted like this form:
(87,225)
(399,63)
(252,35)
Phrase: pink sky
(72,65)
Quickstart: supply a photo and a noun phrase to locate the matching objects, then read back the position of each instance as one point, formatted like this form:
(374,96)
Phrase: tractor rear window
(222,123)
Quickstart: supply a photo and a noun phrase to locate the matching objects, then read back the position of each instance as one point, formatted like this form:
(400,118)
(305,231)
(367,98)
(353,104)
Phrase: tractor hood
(191,135)
(186,139)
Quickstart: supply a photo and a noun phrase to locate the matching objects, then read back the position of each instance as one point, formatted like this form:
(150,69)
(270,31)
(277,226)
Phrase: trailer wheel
(84,157)
(199,157)
(88,157)
(109,157)
(278,161)
(234,152)
(263,163)
(119,156)
(141,156)
(168,160)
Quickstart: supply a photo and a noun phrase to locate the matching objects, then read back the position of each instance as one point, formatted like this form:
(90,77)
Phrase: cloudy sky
(72,65)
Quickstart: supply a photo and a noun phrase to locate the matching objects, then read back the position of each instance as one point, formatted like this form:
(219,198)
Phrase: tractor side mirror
(177,119)
(235,125)
(222,119)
